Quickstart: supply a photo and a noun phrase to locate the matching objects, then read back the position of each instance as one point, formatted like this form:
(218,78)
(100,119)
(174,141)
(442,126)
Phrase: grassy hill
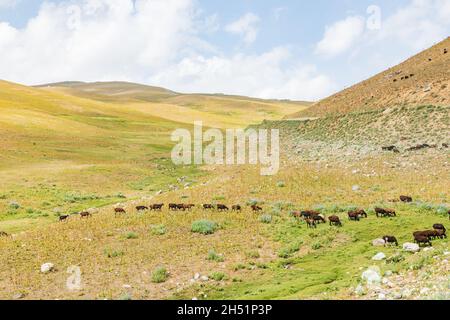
(219,111)
(96,143)
(421,80)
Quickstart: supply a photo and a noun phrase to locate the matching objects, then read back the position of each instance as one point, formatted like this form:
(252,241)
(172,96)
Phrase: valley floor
(270,255)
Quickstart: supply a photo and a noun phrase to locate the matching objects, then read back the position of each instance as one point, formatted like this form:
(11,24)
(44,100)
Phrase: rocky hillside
(400,130)
(421,80)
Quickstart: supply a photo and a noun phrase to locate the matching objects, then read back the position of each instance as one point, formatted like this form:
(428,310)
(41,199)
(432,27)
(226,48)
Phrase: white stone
(428,249)
(372,275)
(359,290)
(424,290)
(388,273)
(378,243)
(356,188)
(379,256)
(381,296)
(411,247)
(204,278)
(47,267)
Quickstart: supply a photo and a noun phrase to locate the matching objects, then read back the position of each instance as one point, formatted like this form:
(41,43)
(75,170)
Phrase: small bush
(125,297)
(253,254)
(204,227)
(14,205)
(113,253)
(254,202)
(281,184)
(213,256)
(160,275)
(316,245)
(396,258)
(288,251)
(265,218)
(158,230)
(239,266)
(131,235)
(217,276)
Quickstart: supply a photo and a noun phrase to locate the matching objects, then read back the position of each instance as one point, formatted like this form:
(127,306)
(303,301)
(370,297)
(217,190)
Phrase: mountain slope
(421,80)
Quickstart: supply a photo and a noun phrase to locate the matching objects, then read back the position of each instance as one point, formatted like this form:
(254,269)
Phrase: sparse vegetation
(160,275)
(204,227)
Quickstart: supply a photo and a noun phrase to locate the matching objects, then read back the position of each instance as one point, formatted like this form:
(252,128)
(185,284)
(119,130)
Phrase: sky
(285,49)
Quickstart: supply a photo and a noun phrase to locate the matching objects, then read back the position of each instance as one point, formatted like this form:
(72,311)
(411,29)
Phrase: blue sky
(271,49)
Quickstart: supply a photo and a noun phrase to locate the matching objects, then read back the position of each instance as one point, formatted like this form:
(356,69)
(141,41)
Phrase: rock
(378,243)
(446,253)
(381,296)
(126,286)
(388,273)
(18,296)
(424,290)
(372,275)
(159,192)
(397,295)
(194,299)
(197,276)
(428,249)
(356,188)
(379,256)
(204,278)
(47,267)
(406,293)
(411,247)
(360,290)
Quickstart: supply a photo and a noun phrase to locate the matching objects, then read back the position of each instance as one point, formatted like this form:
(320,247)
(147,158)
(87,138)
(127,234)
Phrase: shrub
(160,275)
(125,297)
(217,276)
(316,245)
(204,227)
(110,253)
(213,256)
(396,258)
(253,254)
(14,205)
(281,184)
(131,235)
(254,202)
(158,230)
(286,252)
(265,218)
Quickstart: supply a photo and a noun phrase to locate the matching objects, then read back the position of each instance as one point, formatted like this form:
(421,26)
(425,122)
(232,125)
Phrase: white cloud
(246,26)
(414,27)
(157,42)
(341,36)
(273,74)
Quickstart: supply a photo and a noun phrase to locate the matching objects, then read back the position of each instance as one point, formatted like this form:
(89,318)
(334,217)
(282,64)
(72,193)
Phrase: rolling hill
(423,79)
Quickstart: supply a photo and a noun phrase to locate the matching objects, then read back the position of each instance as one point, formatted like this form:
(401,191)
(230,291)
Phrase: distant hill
(217,110)
(423,79)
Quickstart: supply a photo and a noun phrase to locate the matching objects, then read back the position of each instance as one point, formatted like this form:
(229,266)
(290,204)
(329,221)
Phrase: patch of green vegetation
(213,256)
(160,275)
(204,227)
(217,276)
(158,230)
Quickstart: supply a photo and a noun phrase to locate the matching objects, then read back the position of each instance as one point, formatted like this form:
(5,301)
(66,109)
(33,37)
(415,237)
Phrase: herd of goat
(311,218)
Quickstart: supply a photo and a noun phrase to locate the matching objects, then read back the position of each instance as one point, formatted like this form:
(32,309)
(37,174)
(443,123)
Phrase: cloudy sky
(287,49)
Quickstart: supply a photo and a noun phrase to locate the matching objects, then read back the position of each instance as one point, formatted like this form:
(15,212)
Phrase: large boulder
(411,247)
(47,267)
(379,256)
(372,276)
(378,243)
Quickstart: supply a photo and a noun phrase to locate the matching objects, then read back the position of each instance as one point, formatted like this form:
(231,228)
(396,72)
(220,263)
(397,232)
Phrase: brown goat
(405,199)
(390,240)
(64,217)
(85,214)
(208,206)
(119,211)
(256,208)
(222,207)
(236,208)
(353,215)
(3,234)
(311,223)
(157,207)
(380,212)
(335,221)
(141,208)
(422,239)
